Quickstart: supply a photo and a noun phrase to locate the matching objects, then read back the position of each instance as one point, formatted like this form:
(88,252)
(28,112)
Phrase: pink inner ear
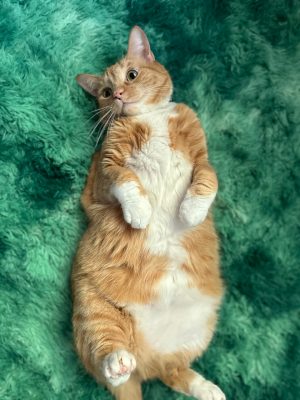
(138,45)
(88,82)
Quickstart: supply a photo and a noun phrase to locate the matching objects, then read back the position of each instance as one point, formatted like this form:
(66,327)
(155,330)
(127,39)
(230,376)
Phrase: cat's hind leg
(193,384)
(103,334)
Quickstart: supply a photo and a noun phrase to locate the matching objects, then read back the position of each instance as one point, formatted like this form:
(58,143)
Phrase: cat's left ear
(138,45)
(88,82)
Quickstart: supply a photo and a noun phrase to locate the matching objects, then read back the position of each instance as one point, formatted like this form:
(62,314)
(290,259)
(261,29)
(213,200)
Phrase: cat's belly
(179,317)
(180,320)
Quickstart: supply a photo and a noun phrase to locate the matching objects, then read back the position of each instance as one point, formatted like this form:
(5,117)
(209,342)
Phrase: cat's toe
(117,367)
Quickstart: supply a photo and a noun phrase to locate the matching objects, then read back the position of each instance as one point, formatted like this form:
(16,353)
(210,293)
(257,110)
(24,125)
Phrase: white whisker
(94,115)
(100,108)
(107,123)
(98,111)
(113,118)
(98,122)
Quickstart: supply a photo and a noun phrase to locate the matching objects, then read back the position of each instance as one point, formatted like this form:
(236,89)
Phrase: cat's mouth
(124,106)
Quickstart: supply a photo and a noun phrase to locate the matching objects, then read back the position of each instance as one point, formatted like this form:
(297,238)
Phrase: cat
(146,281)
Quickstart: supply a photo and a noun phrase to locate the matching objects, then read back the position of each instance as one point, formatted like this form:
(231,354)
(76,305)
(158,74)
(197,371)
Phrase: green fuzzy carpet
(237,63)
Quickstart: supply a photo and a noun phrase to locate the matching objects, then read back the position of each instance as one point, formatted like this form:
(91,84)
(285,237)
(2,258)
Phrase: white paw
(136,207)
(137,213)
(117,367)
(205,390)
(193,209)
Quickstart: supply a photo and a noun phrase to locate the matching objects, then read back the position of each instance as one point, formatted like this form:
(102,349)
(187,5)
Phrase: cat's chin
(125,108)
(130,109)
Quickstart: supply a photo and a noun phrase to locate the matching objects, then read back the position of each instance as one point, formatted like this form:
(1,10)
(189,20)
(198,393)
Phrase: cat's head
(134,85)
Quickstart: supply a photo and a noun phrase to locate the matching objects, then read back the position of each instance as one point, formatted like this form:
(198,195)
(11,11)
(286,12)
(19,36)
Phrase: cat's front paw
(136,207)
(137,213)
(193,209)
(118,366)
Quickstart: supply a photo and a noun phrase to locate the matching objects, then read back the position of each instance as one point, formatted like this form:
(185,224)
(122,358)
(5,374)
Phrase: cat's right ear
(138,45)
(88,82)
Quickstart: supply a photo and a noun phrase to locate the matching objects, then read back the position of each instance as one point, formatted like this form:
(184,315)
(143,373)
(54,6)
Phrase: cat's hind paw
(117,367)
(202,389)
(193,209)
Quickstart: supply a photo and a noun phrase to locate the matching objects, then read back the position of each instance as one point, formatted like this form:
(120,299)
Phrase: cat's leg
(193,384)
(187,136)
(87,197)
(130,390)
(122,182)
(200,195)
(103,335)
(125,186)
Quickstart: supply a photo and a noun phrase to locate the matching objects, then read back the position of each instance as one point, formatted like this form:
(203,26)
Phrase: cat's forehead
(117,71)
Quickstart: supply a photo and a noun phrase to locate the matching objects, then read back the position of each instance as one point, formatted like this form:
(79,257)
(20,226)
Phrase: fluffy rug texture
(237,63)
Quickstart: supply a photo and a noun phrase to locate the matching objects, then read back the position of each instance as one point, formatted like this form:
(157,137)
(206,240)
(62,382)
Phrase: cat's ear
(88,82)
(138,45)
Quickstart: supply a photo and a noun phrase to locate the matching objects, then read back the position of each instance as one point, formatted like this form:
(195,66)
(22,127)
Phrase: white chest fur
(166,176)
(178,319)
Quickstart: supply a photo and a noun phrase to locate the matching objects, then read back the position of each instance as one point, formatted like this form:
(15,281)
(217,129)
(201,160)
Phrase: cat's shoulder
(185,120)
(184,113)
(182,108)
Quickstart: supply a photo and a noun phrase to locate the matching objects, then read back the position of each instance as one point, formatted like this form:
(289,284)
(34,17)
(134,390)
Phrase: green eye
(106,93)
(132,74)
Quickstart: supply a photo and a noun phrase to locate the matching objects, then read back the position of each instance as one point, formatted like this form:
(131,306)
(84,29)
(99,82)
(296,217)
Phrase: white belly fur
(178,318)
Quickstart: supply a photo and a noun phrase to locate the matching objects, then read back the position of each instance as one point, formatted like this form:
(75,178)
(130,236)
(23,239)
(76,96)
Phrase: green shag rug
(237,63)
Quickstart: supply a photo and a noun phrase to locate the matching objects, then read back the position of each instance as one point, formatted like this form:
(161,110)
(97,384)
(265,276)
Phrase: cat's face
(134,85)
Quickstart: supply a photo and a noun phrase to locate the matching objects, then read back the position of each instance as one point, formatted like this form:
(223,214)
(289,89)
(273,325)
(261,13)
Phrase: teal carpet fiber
(237,63)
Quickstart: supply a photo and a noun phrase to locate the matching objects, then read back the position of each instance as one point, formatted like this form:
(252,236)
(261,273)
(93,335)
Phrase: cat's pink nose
(118,93)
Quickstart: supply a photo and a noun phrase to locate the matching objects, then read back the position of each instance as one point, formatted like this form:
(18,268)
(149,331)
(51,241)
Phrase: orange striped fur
(124,272)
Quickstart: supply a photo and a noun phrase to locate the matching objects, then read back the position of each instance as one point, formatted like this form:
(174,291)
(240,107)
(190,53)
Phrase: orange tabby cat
(146,280)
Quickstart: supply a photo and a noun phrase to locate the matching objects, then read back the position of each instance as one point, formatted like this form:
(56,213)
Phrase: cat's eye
(106,93)
(132,74)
